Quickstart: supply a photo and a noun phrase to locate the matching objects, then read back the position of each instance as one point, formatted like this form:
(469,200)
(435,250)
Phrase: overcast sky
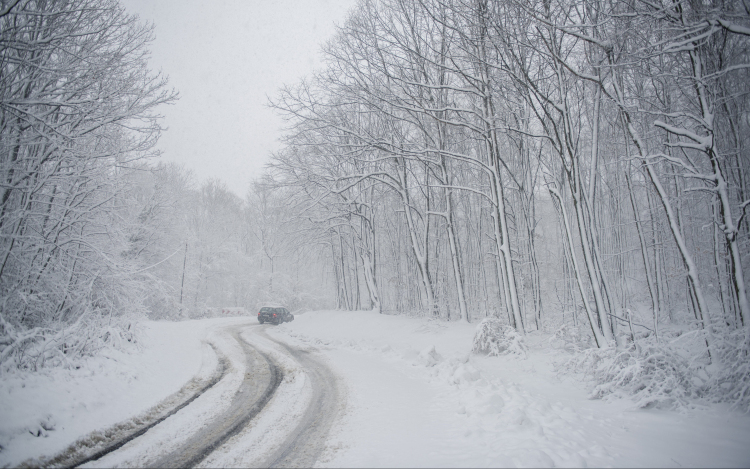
(225,57)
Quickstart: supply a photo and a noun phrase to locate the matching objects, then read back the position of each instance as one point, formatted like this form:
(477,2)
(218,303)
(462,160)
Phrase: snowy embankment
(417,397)
(42,413)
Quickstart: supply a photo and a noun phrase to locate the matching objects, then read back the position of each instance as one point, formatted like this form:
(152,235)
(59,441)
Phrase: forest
(577,167)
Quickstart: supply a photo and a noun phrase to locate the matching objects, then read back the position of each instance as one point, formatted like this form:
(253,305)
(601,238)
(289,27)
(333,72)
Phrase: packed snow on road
(412,393)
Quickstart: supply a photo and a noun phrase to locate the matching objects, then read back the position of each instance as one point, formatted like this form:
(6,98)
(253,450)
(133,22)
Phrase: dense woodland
(93,234)
(528,160)
(575,167)
(570,166)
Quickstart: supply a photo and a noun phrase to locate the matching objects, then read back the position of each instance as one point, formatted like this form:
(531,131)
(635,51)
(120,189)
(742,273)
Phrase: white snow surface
(110,388)
(415,396)
(418,397)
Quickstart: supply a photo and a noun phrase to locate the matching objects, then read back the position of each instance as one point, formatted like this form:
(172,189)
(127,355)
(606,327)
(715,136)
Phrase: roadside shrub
(654,375)
(675,372)
(571,338)
(493,338)
(65,347)
(731,382)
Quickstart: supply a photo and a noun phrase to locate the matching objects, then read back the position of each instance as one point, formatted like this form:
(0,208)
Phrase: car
(274,315)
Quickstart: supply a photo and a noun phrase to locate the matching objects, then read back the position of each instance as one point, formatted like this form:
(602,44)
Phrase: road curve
(304,446)
(102,443)
(256,390)
(300,443)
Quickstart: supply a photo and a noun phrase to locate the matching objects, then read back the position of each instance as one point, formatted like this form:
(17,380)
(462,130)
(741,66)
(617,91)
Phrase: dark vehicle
(274,315)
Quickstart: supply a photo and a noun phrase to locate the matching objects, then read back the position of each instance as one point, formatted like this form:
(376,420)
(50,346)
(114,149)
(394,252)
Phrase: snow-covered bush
(64,346)
(571,338)
(731,381)
(654,375)
(673,372)
(494,338)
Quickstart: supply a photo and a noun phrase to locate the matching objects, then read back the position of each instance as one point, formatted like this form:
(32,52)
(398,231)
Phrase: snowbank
(42,413)
(419,397)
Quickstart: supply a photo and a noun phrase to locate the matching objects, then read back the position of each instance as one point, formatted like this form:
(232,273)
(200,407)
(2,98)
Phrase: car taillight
(274,314)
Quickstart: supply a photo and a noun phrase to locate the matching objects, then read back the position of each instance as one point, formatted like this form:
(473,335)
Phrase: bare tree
(76,111)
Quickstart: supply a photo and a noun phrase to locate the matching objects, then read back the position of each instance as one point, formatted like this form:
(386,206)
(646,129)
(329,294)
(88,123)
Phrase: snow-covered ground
(415,397)
(43,413)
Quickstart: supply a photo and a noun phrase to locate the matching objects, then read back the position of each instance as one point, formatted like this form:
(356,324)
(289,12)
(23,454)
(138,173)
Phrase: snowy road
(261,379)
(272,406)
(227,392)
(303,447)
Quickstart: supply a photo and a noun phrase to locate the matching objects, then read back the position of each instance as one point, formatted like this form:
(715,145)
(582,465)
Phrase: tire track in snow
(304,446)
(122,433)
(247,403)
